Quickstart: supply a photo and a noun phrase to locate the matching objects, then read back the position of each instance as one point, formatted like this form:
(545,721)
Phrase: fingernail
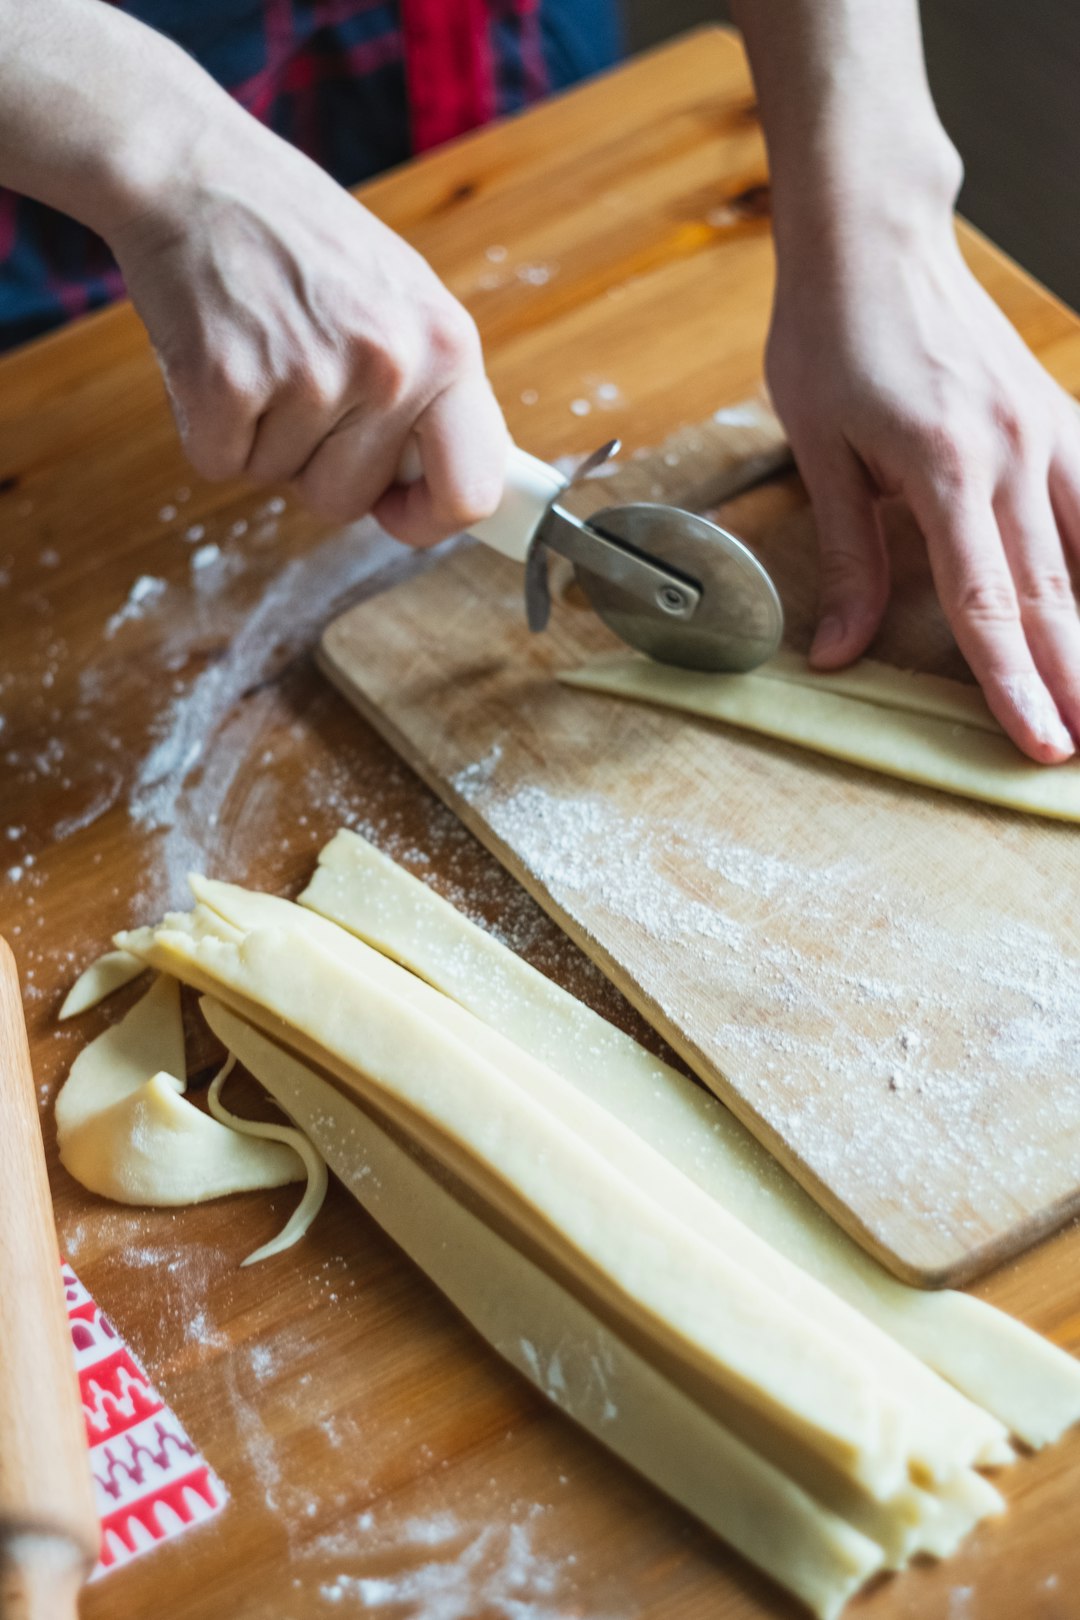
(1037,709)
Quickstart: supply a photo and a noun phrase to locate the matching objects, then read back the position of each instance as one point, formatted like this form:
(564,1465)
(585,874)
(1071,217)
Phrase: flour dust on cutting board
(797,1009)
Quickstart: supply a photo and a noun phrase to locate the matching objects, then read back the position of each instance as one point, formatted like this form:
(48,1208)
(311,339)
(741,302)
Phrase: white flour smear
(207,724)
(925,1098)
(448,1568)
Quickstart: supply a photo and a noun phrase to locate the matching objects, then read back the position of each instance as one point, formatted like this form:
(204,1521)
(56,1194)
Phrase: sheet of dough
(947,1430)
(1031,1385)
(933,696)
(568,1354)
(735,1342)
(875,729)
(125,1130)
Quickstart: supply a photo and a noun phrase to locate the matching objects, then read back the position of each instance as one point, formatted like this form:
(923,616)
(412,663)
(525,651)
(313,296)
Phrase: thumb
(853,577)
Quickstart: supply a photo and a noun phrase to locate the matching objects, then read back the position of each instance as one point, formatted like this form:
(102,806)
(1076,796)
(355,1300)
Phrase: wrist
(852,183)
(148,149)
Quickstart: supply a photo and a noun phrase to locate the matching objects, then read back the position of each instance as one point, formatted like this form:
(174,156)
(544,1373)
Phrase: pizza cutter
(668,582)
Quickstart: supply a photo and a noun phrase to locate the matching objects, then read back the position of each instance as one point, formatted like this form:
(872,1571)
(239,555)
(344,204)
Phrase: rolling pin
(48,1522)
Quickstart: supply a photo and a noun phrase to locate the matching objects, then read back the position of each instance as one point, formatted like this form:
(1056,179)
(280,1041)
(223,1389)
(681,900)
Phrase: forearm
(95,108)
(851,127)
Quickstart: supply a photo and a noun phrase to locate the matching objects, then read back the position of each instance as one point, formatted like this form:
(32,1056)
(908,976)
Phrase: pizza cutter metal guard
(670,583)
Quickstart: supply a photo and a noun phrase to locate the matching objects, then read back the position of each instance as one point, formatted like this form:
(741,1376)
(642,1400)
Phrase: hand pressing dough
(920,728)
(102,978)
(1029,1384)
(482,1108)
(126,1131)
(565,1351)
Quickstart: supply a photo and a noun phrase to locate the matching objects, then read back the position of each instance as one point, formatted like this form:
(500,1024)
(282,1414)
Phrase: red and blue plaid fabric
(358,85)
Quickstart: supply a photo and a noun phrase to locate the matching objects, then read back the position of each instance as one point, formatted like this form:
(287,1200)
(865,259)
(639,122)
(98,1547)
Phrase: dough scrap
(1029,1384)
(314,1165)
(475,1101)
(565,1351)
(102,978)
(148,1039)
(872,715)
(126,1131)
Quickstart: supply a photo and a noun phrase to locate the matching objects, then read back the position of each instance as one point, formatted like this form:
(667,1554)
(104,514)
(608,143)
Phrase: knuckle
(318,386)
(324,498)
(1048,591)
(453,338)
(950,461)
(841,569)
(987,601)
(234,386)
(1011,427)
(388,372)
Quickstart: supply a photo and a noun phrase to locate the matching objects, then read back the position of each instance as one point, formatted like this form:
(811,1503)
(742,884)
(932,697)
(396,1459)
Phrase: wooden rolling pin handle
(48,1522)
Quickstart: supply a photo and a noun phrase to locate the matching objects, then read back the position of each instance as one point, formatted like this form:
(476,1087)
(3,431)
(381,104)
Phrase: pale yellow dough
(602,1212)
(572,1357)
(1029,1384)
(126,1131)
(918,727)
(581,1365)
(102,978)
(741,1323)
(314,1167)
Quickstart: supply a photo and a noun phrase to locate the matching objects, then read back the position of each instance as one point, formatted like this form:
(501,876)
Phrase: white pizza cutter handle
(531,486)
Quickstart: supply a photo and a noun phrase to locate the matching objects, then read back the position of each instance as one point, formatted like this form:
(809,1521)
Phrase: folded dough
(583,1198)
(332,1008)
(920,728)
(1029,1384)
(126,1131)
(581,1365)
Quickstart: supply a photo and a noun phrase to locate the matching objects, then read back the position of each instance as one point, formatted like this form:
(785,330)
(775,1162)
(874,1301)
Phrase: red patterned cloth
(150,1481)
(359,85)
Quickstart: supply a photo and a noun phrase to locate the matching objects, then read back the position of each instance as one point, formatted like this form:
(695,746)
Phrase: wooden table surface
(159,709)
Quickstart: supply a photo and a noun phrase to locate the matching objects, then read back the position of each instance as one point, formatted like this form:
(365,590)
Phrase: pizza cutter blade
(673,585)
(734,624)
(677,587)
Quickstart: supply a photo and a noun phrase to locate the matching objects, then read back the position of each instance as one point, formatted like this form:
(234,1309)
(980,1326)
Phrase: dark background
(1006,78)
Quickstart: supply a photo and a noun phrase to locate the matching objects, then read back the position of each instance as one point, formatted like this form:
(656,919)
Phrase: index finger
(463,450)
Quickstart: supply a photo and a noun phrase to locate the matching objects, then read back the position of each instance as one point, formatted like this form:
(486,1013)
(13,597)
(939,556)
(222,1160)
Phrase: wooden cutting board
(881,981)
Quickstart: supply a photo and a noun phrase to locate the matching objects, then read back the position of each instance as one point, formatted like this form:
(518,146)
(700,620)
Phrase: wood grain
(863,970)
(44,1475)
(333,1383)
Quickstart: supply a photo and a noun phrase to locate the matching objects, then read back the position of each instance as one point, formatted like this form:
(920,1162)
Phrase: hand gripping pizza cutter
(670,583)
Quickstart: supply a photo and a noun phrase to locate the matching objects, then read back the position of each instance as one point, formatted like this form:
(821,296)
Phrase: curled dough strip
(312,1201)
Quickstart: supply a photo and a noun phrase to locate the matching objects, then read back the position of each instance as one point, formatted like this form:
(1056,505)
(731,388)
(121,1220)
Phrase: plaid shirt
(358,85)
